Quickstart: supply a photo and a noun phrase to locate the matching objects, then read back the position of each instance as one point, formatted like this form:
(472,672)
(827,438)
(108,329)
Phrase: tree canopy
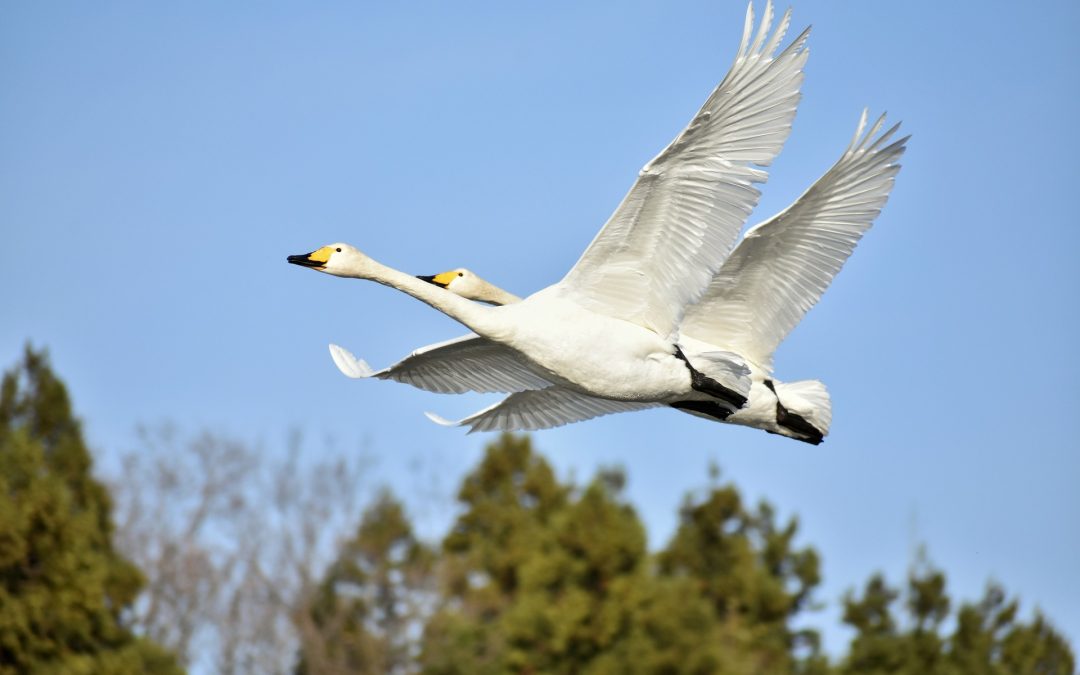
(536,574)
(986,639)
(546,577)
(64,587)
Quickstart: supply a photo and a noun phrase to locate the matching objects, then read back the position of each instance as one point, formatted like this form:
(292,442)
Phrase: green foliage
(535,576)
(745,566)
(511,502)
(363,609)
(987,638)
(541,577)
(63,588)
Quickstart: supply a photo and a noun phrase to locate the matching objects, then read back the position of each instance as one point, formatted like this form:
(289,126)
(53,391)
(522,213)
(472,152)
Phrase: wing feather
(660,248)
(782,266)
(467,363)
(541,409)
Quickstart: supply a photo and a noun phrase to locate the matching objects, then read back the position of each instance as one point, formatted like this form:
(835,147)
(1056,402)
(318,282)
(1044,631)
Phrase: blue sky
(158,162)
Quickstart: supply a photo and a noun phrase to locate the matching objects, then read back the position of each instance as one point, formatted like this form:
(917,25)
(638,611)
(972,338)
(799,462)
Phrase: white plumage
(608,329)
(655,312)
(777,272)
(677,224)
(782,266)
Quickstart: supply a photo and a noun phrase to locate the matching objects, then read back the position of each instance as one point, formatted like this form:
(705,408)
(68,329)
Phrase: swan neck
(496,296)
(475,317)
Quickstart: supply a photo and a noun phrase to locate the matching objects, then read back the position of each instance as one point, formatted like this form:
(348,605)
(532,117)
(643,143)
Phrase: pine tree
(64,588)
(754,579)
(370,599)
(987,638)
(540,576)
(543,577)
(510,502)
(579,593)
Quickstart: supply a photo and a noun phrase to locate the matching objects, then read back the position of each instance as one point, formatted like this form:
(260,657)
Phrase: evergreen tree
(578,593)
(545,578)
(64,588)
(510,502)
(987,638)
(535,576)
(754,579)
(370,598)
(539,576)
(602,607)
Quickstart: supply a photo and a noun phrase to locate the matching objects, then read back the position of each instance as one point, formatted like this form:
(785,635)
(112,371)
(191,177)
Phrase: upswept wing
(467,363)
(658,251)
(782,266)
(541,409)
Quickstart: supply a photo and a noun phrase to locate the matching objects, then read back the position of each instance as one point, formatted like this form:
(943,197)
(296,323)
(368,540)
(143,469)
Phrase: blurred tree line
(214,558)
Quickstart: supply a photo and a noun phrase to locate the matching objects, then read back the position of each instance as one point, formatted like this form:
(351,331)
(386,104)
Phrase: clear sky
(158,161)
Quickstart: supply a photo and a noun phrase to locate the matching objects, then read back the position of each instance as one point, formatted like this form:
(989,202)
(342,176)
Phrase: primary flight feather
(778,271)
(608,330)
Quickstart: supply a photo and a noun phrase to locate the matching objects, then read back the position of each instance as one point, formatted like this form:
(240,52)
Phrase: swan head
(338,259)
(459,281)
(468,285)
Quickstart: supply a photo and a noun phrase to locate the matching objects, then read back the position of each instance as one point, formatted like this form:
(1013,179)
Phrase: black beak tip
(304,260)
(430,280)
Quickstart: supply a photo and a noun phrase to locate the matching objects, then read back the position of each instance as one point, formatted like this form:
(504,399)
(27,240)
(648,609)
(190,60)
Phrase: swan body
(779,270)
(552,337)
(600,353)
(607,332)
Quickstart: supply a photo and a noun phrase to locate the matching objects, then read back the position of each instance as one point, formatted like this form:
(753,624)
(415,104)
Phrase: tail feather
(809,399)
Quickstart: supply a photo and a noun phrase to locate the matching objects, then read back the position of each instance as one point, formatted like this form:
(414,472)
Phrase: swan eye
(338,250)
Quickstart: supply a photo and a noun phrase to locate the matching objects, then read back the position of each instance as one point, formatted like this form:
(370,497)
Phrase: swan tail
(809,399)
(349,365)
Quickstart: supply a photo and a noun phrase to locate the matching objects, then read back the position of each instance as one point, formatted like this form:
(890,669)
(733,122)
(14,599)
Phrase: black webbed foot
(699,381)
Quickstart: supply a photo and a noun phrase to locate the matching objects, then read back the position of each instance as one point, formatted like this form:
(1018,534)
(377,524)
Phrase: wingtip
(859,129)
(349,365)
(748,29)
(763,30)
(873,139)
(440,420)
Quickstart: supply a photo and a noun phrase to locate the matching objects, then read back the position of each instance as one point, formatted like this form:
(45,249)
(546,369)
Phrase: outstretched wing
(541,409)
(467,363)
(660,248)
(782,266)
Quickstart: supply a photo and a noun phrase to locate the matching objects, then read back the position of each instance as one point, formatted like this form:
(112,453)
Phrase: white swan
(463,282)
(779,270)
(607,332)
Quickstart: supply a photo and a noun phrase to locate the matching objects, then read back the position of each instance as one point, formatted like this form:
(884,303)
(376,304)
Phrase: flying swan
(774,276)
(606,335)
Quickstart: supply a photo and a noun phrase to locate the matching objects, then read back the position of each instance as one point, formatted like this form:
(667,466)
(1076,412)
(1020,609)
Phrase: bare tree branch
(233,542)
